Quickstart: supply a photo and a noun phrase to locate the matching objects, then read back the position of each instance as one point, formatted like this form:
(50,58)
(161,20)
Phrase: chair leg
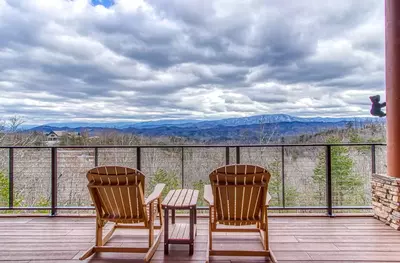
(153,248)
(109,235)
(272,257)
(210,226)
(151,224)
(210,244)
(88,253)
(160,212)
(266,241)
(99,240)
(99,233)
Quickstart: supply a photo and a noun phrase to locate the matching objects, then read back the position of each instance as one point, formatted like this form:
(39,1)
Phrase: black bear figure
(376,109)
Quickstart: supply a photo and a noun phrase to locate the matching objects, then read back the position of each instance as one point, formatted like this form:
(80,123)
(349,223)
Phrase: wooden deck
(293,239)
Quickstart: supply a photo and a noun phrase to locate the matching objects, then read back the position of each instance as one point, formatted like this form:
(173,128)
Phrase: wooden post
(392,29)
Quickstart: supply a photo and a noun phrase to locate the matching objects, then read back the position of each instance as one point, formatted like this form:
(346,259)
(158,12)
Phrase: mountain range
(186,123)
(277,125)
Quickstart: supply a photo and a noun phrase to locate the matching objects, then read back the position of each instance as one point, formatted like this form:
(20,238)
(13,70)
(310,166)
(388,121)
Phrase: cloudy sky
(128,60)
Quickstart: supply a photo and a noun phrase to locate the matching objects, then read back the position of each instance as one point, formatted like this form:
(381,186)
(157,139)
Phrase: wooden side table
(182,199)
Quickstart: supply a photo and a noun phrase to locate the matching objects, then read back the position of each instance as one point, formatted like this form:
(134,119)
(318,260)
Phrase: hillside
(245,133)
(246,130)
(187,123)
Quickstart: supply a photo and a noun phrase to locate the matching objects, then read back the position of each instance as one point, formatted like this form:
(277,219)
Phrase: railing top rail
(195,146)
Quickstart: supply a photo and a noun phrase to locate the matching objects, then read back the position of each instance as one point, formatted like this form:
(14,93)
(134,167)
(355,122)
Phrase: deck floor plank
(297,239)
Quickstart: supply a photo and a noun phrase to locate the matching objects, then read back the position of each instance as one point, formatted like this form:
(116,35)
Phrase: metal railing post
(11,178)
(237,154)
(373,159)
(138,158)
(96,156)
(283,176)
(328,161)
(53,181)
(226,155)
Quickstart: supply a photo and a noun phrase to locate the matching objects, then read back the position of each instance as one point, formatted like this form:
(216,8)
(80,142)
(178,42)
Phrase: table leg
(173,216)
(195,219)
(166,224)
(191,225)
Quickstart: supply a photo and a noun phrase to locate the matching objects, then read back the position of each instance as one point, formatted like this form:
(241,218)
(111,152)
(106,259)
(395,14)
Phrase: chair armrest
(268,199)
(208,195)
(155,194)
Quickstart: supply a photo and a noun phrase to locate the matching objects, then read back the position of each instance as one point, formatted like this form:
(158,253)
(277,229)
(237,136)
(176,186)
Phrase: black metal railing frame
(54,188)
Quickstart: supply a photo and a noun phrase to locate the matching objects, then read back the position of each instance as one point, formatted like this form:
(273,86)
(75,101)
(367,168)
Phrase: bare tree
(11,133)
(266,136)
(14,123)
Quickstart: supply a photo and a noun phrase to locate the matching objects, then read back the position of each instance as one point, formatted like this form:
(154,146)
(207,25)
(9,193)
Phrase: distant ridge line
(187,123)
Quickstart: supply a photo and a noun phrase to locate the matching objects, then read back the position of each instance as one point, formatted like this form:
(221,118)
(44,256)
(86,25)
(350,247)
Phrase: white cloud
(137,60)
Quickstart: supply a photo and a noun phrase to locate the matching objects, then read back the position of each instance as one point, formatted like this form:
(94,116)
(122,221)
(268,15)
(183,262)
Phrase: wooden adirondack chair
(238,196)
(118,196)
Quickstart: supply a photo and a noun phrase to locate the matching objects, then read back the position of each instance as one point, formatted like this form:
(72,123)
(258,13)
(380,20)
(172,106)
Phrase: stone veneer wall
(386,199)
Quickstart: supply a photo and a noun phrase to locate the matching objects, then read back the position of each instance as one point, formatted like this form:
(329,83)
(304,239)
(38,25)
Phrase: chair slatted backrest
(118,193)
(239,193)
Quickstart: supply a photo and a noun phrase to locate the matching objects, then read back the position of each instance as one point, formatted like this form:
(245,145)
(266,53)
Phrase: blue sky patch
(105,3)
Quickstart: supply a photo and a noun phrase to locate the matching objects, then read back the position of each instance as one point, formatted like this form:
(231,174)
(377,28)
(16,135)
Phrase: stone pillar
(386,199)
(392,29)
(386,188)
